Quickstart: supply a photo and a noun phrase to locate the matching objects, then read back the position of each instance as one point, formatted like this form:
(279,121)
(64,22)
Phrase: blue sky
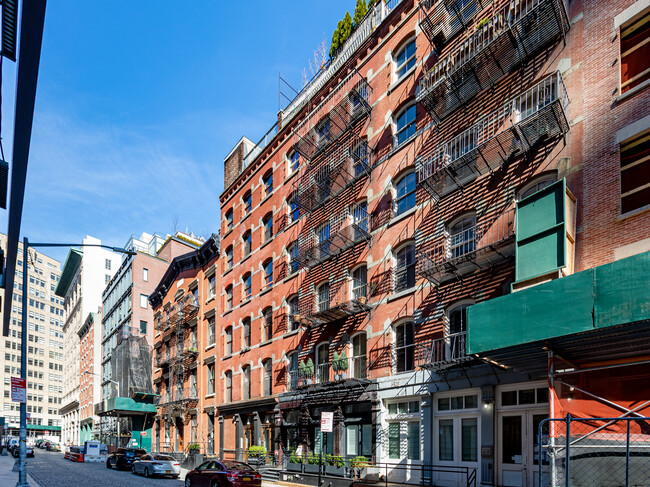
(139,101)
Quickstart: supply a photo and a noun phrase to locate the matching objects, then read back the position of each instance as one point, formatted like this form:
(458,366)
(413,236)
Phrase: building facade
(127,338)
(44,346)
(85,274)
(451,159)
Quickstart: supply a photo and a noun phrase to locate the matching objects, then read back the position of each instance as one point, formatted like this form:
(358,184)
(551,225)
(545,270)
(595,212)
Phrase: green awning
(43,427)
(126,405)
(72,263)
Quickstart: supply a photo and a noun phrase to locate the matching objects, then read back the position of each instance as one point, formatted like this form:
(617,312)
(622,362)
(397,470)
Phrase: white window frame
(457,416)
(397,67)
(403,420)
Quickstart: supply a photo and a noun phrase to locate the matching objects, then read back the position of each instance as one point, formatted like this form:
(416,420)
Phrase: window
(405,268)
(324,297)
(324,240)
(107,278)
(295,161)
(322,180)
(535,186)
(294,210)
(292,369)
(293,257)
(211,330)
(360,283)
(267,317)
(635,173)
(229,220)
(227,349)
(458,318)
(107,264)
(360,219)
(212,283)
(228,298)
(246,325)
(143,300)
(268,227)
(248,285)
(360,158)
(404,430)
(268,273)
(405,194)
(248,202)
(268,183)
(143,327)
(246,373)
(406,125)
(267,365)
(145,275)
(405,59)
(247,243)
(635,53)
(211,379)
(359,439)
(322,362)
(458,432)
(229,258)
(323,132)
(293,310)
(358,368)
(405,346)
(461,237)
(228,375)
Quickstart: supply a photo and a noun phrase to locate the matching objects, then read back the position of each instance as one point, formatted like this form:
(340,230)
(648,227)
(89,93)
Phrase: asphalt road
(50,469)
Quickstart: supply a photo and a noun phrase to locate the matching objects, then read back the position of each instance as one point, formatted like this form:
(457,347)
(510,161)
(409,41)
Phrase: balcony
(330,120)
(163,361)
(332,302)
(339,233)
(482,245)
(441,20)
(327,373)
(512,36)
(441,353)
(520,125)
(320,182)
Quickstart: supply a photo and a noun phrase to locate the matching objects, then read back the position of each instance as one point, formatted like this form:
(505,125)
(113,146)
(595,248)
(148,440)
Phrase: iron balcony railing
(483,244)
(537,115)
(331,302)
(257,148)
(441,352)
(508,38)
(163,361)
(328,372)
(339,233)
(323,180)
(441,20)
(330,120)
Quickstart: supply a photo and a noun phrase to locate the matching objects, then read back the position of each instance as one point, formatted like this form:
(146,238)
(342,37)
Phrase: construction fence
(594,452)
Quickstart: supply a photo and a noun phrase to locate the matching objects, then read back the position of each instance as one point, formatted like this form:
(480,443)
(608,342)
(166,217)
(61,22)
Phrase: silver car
(154,464)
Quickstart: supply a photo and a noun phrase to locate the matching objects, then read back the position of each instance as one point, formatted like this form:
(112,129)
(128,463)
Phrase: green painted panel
(129,404)
(623,291)
(540,236)
(72,263)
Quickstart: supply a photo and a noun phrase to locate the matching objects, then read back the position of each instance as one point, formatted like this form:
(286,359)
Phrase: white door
(518,449)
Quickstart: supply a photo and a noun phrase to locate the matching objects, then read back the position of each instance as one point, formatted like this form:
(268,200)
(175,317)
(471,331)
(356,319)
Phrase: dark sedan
(223,474)
(122,458)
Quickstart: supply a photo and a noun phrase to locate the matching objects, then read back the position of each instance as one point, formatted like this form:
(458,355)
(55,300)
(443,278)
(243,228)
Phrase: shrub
(360,462)
(256,451)
(294,457)
(193,447)
(335,461)
(315,459)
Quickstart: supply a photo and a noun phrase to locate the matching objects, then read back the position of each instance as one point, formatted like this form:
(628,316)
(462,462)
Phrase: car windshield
(164,458)
(238,466)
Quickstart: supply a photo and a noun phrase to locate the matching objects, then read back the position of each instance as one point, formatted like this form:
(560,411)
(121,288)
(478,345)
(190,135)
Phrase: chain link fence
(593,452)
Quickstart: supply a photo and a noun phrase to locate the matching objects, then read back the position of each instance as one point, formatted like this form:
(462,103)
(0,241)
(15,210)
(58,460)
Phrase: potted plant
(313,463)
(193,448)
(295,462)
(340,364)
(256,455)
(335,465)
(360,465)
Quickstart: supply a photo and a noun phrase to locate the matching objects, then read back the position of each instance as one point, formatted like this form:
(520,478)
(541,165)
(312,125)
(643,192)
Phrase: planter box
(294,467)
(331,470)
(309,468)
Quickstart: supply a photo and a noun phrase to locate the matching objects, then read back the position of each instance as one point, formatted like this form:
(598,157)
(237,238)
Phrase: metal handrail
(443,350)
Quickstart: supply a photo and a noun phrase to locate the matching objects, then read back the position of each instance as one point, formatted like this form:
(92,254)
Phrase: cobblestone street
(52,470)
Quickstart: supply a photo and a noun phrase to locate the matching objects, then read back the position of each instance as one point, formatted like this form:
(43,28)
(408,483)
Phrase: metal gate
(594,452)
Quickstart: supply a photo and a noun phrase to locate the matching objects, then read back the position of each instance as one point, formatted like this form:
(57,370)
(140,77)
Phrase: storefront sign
(327,422)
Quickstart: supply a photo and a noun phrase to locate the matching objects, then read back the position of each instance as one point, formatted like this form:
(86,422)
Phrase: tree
(336,39)
(360,12)
(346,30)
(371,3)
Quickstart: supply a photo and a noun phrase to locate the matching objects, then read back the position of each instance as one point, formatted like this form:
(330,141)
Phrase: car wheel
(188,482)
(175,476)
(108,464)
(146,472)
(133,469)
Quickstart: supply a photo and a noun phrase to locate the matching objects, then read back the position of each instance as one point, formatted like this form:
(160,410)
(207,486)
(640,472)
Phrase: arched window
(404,59)
(292,371)
(360,282)
(323,294)
(295,161)
(229,303)
(227,346)
(246,337)
(405,267)
(248,243)
(267,323)
(248,285)
(360,219)
(294,209)
(360,159)
(246,382)
(268,273)
(229,220)
(322,363)
(405,125)
(228,381)
(323,235)
(292,250)
(535,186)
(405,193)
(405,346)
(456,330)
(267,366)
(268,183)
(268,227)
(359,361)
(229,258)
(462,237)
(293,310)
(248,202)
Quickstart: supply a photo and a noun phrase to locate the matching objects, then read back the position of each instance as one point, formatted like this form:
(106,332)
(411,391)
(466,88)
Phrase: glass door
(518,450)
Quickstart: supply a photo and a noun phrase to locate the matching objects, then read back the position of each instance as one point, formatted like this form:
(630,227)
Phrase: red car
(223,474)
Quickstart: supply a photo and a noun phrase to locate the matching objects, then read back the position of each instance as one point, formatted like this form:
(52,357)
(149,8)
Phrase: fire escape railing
(328,372)
(540,113)
(441,352)
(508,38)
(486,242)
(332,301)
(441,20)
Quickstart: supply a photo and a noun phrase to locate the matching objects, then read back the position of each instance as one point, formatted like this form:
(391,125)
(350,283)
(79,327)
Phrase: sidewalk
(9,478)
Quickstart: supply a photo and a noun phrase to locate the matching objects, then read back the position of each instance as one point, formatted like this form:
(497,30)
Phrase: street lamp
(117,393)
(20,462)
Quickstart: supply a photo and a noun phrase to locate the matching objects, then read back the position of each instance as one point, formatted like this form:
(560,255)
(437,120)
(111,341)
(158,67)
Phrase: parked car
(16,451)
(53,447)
(149,465)
(223,474)
(11,444)
(122,458)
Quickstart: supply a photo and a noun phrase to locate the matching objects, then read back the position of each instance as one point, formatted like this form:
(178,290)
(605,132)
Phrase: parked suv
(122,458)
